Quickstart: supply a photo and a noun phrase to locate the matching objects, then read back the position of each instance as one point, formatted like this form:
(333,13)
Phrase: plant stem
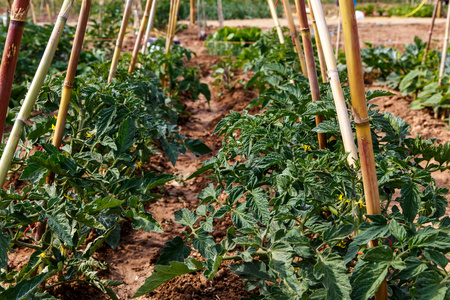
(273,12)
(118,49)
(34,90)
(18,18)
(338,95)
(310,64)
(137,44)
(294,36)
(34,247)
(361,116)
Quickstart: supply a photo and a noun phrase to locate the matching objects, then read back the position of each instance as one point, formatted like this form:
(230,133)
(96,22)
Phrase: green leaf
(369,274)
(429,286)
(23,288)
(151,180)
(185,217)
(423,238)
(437,257)
(255,270)
(221,212)
(100,204)
(337,232)
(105,117)
(258,202)
(410,200)
(398,231)
(197,147)
(4,247)
(241,218)
(144,220)
(202,242)
(327,127)
(164,273)
(209,193)
(125,139)
(377,93)
(203,169)
(60,225)
(331,271)
(281,260)
(89,220)
(175,250)
(414,267)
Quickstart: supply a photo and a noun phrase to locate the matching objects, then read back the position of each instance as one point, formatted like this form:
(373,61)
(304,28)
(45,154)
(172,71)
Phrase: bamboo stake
(294,35)
(444,48)
(70,76)
(100,11)
(338,37)
(173,18)
(19,10)
(220,13)
(361,116)
(198,20)
(323,65)
(439,10)
(273,12)
(433,19)
(149,26)
(49,12)
(338,95)
(33,92)
(204,16)
(310,64)
(118,49)
(192,13)
(33,13)
(137,44)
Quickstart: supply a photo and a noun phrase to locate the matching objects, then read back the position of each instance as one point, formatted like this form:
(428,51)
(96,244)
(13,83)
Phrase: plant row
(299,224)
(101,176)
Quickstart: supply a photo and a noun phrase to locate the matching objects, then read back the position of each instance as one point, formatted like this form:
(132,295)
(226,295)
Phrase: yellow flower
(63,250)
(306,147)
(342,198)
(89,135)
(43,255)
(68,197)
(56,117)
(342,244)
(53,127)
(361,204)
(138,165)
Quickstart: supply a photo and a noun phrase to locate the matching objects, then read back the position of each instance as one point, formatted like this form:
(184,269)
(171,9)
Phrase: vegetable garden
(257,165)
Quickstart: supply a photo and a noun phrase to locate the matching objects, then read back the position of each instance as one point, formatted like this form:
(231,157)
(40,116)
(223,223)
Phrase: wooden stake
(338,37)
(323,65)
(310,64)
(19,10)
(149,27)
(273,12)
(294,36)
(49,12)
(444,48)
(33,13)
(33,91)
(361,116)
(192,13)
(173,18)
(118,49)
(338,95)
(137,44)
(220,13)
(433,19)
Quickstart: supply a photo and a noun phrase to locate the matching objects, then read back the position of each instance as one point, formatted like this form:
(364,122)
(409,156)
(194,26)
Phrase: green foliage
(300,227)
(425,11)
(230,40)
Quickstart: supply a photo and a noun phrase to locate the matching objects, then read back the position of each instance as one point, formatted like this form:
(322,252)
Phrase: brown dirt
(136,255)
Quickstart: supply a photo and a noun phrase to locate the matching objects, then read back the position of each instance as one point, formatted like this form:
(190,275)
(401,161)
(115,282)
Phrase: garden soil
(135,257)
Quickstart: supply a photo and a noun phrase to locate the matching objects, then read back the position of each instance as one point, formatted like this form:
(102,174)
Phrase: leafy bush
(425,11)
(230,40)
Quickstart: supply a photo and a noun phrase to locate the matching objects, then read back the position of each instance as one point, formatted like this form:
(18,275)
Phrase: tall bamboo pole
(323,65)
(220,13)
(33,13)
(294,35)
(149,27)
(49,12)
(361,116)
(137,44)
(310,64)
(338,37)
(192,12)
(33,92)
(444,48)
(273,12)
(173,18)
(118,49)
(338,95)
(70,76)
(433,19)
(19,10)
